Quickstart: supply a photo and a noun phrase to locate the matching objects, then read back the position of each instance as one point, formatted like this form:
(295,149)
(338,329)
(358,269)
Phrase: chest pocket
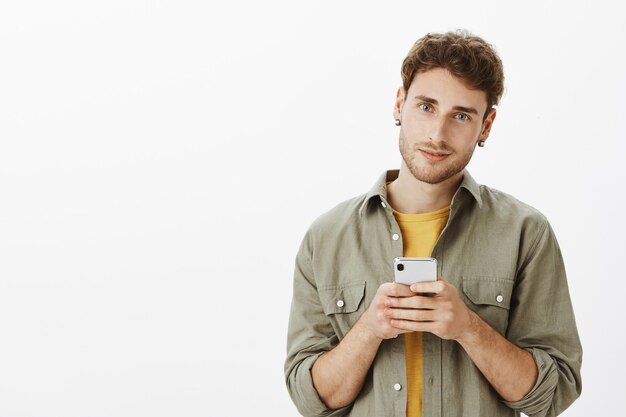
(490,298)
(343,304)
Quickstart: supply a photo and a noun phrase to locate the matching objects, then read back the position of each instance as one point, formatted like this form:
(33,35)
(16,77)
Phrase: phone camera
(400,267)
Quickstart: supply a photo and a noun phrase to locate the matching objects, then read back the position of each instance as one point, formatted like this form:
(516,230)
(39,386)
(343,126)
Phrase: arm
(338,375)
(541,323)
(324,375)
(310,334)
(510,370)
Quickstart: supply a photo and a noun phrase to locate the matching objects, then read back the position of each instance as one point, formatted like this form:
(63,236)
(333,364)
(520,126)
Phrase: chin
(435,176)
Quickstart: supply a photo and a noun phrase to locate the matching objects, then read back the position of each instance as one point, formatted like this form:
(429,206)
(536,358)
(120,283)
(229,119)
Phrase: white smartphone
(411,270)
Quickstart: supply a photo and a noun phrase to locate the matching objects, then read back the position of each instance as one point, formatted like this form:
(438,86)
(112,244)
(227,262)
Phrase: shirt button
(397,387)
(395,236)
(499,298)
(340,303)
(382,203)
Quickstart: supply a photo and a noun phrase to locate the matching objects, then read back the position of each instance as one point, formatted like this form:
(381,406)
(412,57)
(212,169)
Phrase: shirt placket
(432,346)
(396,382)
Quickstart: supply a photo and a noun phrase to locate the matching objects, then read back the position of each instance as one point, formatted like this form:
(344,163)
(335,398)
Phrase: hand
(442,312)
(375,321)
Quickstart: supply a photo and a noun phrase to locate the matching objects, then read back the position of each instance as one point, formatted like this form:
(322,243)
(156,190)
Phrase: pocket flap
(491,291)
(345,298)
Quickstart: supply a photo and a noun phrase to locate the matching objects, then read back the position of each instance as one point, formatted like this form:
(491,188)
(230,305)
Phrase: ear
(484,134)
(397,108)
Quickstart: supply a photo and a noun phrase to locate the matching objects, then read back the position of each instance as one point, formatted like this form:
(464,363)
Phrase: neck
(409,195)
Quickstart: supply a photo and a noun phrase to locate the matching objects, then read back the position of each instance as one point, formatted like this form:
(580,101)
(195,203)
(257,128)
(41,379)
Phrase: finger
(416,301)
(397,332)
(413,326)
(410,314)
(393,289)
(434,287)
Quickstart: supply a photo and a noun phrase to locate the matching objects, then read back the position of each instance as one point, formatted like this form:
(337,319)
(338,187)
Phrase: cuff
(538,400)
(305,395)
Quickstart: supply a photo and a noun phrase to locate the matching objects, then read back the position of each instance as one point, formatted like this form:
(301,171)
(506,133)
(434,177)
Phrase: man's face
(442,121)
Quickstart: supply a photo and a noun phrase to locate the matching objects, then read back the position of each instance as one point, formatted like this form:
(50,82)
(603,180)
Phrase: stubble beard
(435,172)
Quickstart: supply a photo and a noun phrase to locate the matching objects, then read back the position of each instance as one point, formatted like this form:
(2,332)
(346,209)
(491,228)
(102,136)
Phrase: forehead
(447,89)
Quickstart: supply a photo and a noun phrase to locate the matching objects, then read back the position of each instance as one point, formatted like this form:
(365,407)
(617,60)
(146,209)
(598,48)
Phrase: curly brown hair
(466,56)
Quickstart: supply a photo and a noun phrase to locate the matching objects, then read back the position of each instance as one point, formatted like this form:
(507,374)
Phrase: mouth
(434,156)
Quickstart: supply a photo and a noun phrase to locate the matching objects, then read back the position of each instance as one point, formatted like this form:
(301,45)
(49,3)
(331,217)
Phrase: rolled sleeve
(310,334)
(542,393)
(303,393)
(542,322)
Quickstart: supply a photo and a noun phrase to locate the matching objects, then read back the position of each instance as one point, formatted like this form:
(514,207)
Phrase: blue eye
(425,107)
(462,116)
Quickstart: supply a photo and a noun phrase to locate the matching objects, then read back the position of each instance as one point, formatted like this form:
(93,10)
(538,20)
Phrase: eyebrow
(460,108)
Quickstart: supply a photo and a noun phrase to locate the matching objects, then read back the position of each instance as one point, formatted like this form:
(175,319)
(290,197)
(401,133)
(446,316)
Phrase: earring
(398,122)
(481,143)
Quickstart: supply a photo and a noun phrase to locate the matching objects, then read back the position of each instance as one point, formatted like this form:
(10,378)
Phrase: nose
(438,130)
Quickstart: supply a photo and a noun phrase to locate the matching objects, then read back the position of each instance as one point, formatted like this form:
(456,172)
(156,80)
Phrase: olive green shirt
(500,254)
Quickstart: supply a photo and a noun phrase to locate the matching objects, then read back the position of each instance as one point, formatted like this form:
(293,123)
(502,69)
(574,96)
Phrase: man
(495,334)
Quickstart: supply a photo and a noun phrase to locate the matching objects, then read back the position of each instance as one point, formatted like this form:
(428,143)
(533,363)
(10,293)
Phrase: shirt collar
(379,190)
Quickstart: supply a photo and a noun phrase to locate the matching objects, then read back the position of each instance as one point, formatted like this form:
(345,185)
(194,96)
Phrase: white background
(160,162)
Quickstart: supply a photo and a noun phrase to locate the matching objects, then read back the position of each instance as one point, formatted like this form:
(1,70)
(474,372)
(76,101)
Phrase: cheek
(465,133)
(419,116)
(415,124)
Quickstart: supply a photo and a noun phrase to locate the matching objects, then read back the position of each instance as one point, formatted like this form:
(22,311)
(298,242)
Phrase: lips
(434,156)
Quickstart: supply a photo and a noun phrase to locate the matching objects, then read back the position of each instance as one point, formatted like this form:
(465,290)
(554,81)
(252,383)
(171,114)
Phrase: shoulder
(510,222)
(334,230)
(507,228)
(337,219)
(500,205)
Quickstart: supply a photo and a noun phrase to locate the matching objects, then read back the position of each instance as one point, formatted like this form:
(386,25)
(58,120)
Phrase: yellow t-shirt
(419,235)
